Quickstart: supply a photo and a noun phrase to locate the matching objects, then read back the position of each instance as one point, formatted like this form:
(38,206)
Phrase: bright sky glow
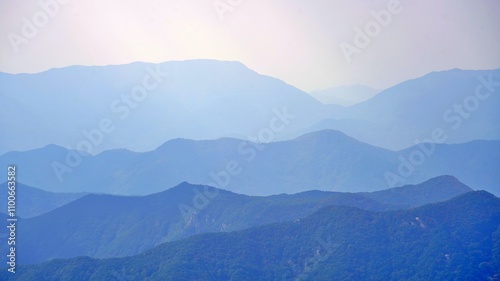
(293,40)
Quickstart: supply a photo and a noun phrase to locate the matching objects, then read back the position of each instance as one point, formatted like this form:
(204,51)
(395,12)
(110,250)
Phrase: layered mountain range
(325,160)
(106,226)
(207,170)
(454,239)
(95,108)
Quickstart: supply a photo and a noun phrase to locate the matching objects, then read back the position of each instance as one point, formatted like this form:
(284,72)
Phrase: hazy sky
(297,41)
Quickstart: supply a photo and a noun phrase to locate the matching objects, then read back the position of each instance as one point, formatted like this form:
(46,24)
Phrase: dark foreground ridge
(106,226)
(453,240)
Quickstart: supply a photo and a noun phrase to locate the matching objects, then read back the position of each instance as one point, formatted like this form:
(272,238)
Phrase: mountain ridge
(361,246)
(324,160)
(110,225)
(172,96)
(175,101)
(433,101)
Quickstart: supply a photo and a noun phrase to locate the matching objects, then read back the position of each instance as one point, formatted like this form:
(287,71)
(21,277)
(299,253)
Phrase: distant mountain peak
(446,178)
(48,149)
(327,133)
(184,185)
(433,190)
(188,189)
(444,183)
